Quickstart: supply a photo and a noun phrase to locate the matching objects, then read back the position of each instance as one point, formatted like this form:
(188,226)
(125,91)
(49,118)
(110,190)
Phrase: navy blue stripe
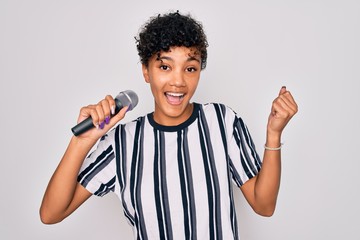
(183,184)
(240,142)
(187,186)
(119,159)
(94,168)
(121,167)
(160,188)
(251,145)
(136,178)
(134,163)
(235,174)
(209,187)
(211,179)
(220,113)
(191,192)
(164,190)
(243,141)
(157,188)
(105,188)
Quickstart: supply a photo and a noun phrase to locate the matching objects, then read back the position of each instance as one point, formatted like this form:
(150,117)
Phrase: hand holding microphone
(100,114)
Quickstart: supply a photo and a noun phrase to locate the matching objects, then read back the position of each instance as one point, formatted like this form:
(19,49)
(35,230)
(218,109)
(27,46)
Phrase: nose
(177,80)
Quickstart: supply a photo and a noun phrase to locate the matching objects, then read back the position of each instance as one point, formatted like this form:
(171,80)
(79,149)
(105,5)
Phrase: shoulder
(120,128)
(130,129)
(219,109)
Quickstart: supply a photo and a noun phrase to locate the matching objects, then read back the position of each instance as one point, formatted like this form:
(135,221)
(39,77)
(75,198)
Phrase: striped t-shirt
(174,182)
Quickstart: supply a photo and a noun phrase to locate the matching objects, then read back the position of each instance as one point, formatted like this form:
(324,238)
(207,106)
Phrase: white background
(56,56)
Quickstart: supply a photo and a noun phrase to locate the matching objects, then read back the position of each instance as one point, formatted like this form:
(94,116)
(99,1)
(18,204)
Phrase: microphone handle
(87,124)
(83,126)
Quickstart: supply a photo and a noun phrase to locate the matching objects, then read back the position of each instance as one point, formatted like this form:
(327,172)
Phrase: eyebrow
(189,59)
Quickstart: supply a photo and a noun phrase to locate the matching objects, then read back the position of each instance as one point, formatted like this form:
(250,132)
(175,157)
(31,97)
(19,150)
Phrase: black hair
(162,32)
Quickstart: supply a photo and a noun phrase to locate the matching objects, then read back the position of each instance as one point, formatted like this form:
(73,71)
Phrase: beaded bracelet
(273,149)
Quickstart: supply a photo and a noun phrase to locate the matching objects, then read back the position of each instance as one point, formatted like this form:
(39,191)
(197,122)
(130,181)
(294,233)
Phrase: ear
(145,73)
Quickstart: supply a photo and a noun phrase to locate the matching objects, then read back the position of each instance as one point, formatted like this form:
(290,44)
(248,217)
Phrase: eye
(191,69)
(164,67)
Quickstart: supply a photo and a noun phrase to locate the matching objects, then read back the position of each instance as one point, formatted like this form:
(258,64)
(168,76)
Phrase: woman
(173,168)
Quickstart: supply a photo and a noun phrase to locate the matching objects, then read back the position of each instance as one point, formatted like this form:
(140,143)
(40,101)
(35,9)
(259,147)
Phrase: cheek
(156,86)
(193,83)
(158,82)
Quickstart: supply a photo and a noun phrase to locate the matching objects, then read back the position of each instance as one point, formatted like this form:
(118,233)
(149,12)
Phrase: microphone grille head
(128,98)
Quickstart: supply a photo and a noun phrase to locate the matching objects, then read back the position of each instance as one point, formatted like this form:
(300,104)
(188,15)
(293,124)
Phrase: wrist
(82,143)
(273,140)
(273,148)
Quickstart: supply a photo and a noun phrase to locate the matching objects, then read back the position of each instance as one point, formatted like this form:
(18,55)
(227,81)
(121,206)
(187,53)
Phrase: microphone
(123,99)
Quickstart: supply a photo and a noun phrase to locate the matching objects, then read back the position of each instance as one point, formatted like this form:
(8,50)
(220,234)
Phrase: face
(173,77)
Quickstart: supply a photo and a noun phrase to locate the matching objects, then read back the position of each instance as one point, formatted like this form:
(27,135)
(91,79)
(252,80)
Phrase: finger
(85,111)
(287,94)
(112,103)
(282,90)
(106,107)
(281,108)
(119,116)
(100,115)
(108,110)
(289,101)
(89,111)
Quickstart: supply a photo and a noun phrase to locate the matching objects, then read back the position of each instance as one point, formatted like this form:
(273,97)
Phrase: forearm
(262,190)
(268,180)
(60,191)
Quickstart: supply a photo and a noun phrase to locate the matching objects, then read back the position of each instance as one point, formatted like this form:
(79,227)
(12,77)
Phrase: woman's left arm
(262,190)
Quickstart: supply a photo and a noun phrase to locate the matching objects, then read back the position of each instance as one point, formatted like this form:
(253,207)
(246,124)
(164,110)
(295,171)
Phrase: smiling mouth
(174,98)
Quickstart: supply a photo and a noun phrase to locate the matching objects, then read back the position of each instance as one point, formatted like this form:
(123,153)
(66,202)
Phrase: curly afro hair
(162,32)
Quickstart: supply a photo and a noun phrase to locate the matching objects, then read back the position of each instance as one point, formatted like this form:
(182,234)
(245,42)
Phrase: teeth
(175,94)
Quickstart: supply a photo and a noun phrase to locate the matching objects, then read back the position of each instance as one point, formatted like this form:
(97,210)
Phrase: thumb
(282,90)
(120,115)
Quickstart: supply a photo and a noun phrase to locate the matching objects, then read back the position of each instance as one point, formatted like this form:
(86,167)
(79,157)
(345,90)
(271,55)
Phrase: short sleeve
(244,161)
(98,171)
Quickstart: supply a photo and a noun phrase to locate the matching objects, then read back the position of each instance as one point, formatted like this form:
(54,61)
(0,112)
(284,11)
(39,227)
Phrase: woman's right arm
(64,194)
